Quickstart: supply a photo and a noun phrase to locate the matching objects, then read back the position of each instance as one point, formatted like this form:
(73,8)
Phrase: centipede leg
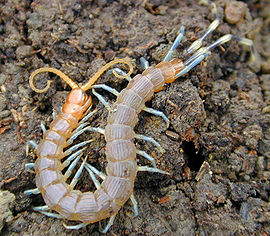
(71,158)
(54,114)
(107,227)
(78,174)
(76,227)
(116,93)
(89,114)
(153,170)
(29,166)
(30,143)
(144,63)
(43,127)
(45,211)
(157,113)
(175,44)
(96,171)
(147,156)
(93,177)
(198,43)
(135,205)
(72,166)
(149,139)
(51,214)
(31,191)
(79,132)
(77,146)
(102,100)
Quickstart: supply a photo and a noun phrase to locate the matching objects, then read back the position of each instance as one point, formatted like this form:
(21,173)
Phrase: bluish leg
(43,127)
(88,116)
(78,174)
(144,63)
(147,156)
(107,227)
(30,143)
(45,211)
(76,227)
(135,205)
(31,191)
(107,88)
(29,166)
(88,128)
(51,214)
(158,113)
(176,43)
(198,43)
(75,147)
(54,114)
(41,208)
(102,100)
(116,93)
(153,170)
(149,139)
(71,167)
(96,171)
(71,158)
(93,177)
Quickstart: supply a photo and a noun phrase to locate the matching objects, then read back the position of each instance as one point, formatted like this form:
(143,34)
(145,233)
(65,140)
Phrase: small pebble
(235,11)
(266,67)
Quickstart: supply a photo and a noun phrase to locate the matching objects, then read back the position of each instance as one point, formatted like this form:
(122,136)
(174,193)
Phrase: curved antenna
(63,76)
(94,78)
(71,83)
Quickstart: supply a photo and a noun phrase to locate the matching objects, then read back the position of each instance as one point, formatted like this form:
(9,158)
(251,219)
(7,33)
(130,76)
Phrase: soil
(217,148)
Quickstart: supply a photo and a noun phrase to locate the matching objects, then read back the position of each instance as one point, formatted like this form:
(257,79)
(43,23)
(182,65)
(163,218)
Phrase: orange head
(77,103)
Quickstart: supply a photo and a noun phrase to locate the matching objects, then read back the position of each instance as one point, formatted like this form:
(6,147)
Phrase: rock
(6,202)
(235,11)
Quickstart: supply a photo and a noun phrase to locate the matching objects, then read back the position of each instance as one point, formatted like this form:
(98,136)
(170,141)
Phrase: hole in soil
(193,156)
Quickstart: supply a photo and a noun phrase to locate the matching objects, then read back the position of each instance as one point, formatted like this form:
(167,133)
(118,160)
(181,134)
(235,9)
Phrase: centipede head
(77,103)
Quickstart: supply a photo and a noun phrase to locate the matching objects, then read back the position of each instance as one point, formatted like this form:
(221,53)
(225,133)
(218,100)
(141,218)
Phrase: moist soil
(217,147)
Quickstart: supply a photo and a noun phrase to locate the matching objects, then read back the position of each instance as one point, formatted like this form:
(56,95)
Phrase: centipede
(121,171)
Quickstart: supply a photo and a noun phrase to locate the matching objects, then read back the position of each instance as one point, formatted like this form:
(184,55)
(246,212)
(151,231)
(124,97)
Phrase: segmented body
(90,207)
(119,134)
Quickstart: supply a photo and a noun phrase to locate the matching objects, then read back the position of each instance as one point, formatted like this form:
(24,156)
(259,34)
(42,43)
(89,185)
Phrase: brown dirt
(218,143)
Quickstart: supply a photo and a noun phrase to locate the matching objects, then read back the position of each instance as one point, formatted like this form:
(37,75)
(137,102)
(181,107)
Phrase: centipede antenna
(121,72)
(93,79)
(63,76)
